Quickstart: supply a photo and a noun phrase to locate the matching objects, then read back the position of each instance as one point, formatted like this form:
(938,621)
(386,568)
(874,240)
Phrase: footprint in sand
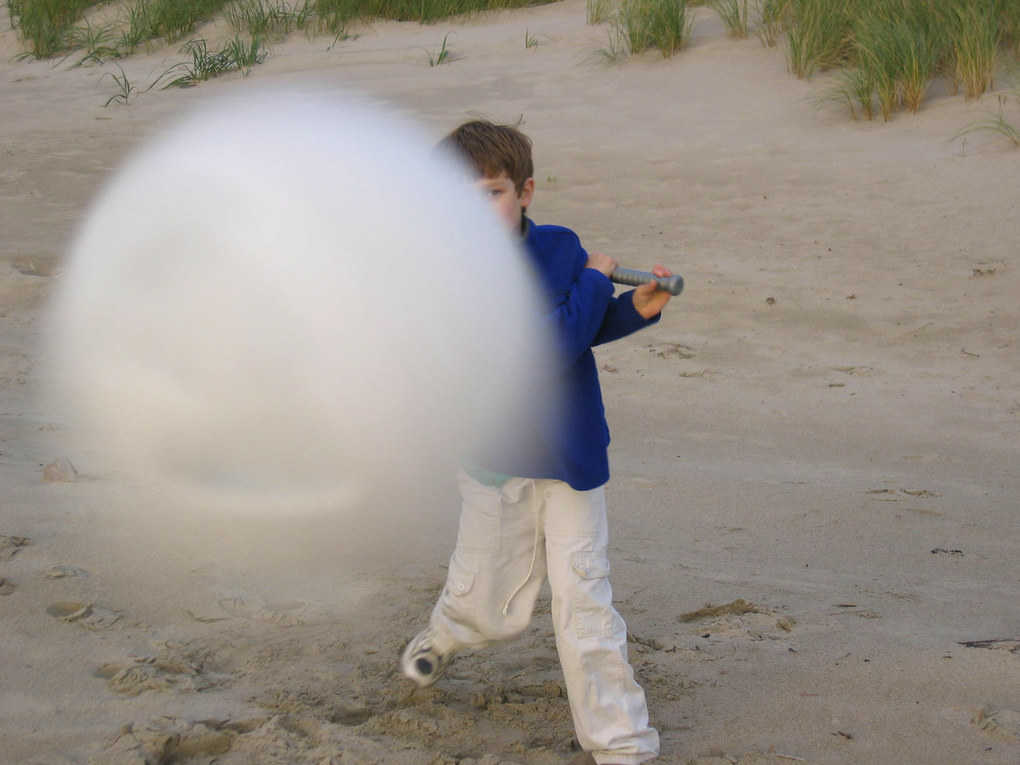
(1003,724)
(60,471)
(751,758)
(61,571)
(88,615)
(738,619)
(6,586)
(165,672)
(11,546)
(288,614)
(672,350)
(167,739)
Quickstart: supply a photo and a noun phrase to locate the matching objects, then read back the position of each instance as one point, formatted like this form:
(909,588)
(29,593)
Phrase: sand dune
(825,425)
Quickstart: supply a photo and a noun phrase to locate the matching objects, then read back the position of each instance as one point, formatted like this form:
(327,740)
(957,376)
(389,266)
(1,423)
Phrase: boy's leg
(495,575)
(608,706)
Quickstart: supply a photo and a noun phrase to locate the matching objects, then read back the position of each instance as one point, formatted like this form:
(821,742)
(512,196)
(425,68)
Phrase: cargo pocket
(590,565)
(479,517)
(461,580)
(593,603)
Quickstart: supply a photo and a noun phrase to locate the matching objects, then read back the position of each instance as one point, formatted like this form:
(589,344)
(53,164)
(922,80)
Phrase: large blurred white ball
(289,299)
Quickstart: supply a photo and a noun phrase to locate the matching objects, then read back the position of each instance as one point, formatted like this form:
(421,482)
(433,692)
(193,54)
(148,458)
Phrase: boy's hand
(601,262)
(649,300)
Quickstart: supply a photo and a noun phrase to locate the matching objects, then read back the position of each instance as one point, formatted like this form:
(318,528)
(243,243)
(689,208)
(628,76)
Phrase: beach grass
(819,35)
(171,20)
(735,14)
(45,25)
(854,88)
(267,19)
(890,51)
(98,41)
(597,11)
(124,87)
(899,54)
(975,36)
(641,25)
(442,55)
(237,54)
(336,14)
(772,20)
(996,123)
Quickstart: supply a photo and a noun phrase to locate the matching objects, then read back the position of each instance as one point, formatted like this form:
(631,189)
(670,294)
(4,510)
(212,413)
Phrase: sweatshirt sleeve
(580,315)
(621,319)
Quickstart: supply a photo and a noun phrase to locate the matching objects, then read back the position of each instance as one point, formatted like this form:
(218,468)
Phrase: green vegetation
(268,19)
(996,123)
(597,11)
(236,55)
(735,15)
(772,19)
(442,55)
(975,30)
(890,51)
(640,25)
(46,24)
(819,34)
(335,15)
(124,87)
(96,41)
(171,20)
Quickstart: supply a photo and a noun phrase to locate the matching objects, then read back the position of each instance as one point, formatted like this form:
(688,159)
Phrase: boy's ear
(527,192)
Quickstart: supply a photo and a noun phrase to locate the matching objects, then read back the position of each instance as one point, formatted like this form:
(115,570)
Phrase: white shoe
(421,662)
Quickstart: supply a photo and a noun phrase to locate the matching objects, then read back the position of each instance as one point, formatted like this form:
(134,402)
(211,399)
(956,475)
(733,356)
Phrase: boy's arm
(580,315)
(633,310)
(621,319)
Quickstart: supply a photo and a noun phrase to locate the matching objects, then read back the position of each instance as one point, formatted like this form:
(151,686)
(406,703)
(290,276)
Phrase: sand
(819,440)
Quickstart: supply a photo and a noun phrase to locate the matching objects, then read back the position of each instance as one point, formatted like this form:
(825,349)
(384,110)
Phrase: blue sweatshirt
(568,440)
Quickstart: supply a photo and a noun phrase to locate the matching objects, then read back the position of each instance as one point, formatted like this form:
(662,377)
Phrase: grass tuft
(773,20)
(442,55)
(995,123)
(45,25)
(171,20)
(267,19)
(856,89)
(644,24)
(616,51)
(124,87)
(735,15)
(819,36)
(48,26)
(98,43)
(975,44)
(236,55)
(892,50)
(597,11)
(335,15)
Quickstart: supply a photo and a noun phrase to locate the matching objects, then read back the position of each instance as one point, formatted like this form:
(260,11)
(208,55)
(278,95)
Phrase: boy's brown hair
(493,149)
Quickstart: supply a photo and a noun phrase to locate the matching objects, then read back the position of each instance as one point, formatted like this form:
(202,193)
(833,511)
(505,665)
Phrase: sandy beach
(815,501)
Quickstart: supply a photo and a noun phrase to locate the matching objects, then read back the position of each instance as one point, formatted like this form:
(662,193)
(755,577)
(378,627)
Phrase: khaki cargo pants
(510,539)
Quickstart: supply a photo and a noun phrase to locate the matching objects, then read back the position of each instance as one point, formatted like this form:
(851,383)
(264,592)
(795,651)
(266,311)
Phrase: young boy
(538,509)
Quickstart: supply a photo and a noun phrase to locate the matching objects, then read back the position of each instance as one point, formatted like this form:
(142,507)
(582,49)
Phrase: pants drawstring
(534,554)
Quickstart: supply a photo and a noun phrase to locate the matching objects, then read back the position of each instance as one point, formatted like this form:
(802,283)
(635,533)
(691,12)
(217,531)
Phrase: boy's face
(505,200)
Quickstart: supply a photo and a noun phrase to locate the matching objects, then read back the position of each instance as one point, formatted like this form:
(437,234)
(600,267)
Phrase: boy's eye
(495,192)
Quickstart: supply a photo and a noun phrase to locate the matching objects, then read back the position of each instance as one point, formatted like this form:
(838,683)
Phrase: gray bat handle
(672,284)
